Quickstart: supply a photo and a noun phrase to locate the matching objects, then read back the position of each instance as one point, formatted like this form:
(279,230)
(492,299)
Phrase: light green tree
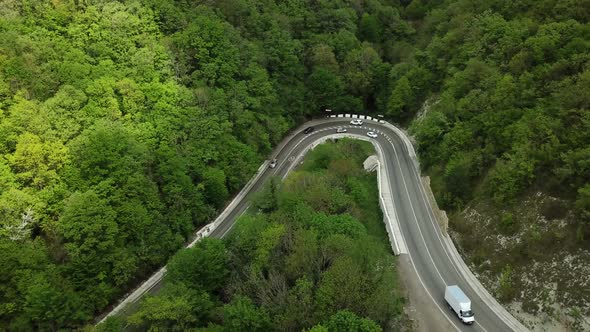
(202,267)
(177,308)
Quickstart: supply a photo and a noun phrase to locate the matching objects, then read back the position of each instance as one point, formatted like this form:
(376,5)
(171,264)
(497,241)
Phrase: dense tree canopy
(505,124)
(125,125)
(512,107)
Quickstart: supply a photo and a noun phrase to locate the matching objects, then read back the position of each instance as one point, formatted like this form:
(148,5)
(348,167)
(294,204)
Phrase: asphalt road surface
(420,231)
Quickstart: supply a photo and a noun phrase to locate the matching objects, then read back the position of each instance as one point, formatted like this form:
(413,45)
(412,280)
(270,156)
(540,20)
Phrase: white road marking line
(410,255)
(414,213)
(233,223)
(421,235)
(430,217)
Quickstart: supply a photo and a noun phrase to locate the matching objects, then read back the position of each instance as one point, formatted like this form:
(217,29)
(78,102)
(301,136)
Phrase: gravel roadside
(420,309)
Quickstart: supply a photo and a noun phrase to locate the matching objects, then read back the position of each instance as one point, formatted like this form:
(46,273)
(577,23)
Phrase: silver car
(341,130)
(356,122)
(372,134)
(273,163)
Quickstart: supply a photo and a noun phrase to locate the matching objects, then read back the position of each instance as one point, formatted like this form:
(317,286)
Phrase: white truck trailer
(459,303)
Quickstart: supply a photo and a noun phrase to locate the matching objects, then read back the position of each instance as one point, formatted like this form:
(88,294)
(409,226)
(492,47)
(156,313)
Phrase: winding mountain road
(418,238)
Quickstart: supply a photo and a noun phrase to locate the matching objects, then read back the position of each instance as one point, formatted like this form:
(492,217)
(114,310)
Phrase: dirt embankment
(421,309)
(530,258)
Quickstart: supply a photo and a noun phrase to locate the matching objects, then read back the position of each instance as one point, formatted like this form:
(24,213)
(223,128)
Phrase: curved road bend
(424,240)
(420,232)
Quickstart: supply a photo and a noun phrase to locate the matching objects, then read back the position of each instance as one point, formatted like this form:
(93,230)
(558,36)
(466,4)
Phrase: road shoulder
(424,314)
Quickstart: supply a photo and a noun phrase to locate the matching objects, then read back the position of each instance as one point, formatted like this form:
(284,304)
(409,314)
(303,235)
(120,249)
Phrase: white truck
(459,303)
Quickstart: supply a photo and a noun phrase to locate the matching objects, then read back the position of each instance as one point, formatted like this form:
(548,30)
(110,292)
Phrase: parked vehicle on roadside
(459,303)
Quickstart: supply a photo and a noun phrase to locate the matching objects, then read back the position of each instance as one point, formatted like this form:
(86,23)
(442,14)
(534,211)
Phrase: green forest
(125,125)
(300,260)
(513,85)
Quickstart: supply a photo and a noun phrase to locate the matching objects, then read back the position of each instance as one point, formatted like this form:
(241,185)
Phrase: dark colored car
(308,130)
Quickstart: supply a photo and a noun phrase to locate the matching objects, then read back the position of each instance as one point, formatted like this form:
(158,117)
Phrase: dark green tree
(370,28)
(202,267)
